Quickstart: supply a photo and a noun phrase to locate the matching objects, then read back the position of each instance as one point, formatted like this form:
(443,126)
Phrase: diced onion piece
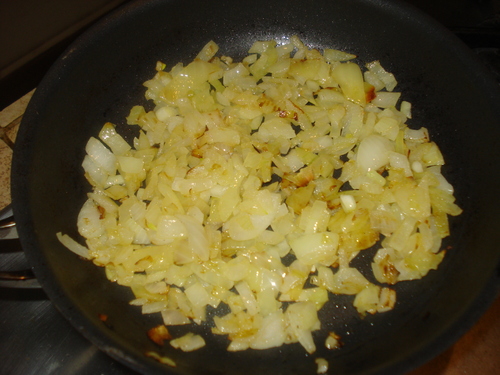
(188,342)
(348,280)
(103,157)
(405,108)
(302,319)
(386,99)
(247,297)
(162,359)
(333,341)
(373,152)
(316,248)
(350,79)
(322,365)
(332,55)
(271,333)
(114,140)
(95,172)
(387,78)
(74,246)
(400,161)
(130,164)
(348,202)
(174,317)
(388,127)
(417,167)
(165,113)
(154,307)
(419,135)
(372,79)
(197,239)
(208,51)
(159,334)
(89,220)
(238,71)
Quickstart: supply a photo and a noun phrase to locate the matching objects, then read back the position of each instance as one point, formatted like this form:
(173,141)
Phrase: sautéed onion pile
(254,184)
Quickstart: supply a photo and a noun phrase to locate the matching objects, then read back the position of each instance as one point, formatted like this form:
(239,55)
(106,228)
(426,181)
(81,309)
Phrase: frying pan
(100,77)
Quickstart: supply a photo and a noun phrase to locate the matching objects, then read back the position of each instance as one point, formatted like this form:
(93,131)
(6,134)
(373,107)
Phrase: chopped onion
(387,78)
(373,152)
(322,365)
(348,202)
(103,157)
(114,140)
(350,79)
(188,342)
(386,99)
(233,172)
(73,245)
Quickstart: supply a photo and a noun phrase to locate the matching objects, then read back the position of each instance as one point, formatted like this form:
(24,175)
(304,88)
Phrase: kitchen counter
(10,118)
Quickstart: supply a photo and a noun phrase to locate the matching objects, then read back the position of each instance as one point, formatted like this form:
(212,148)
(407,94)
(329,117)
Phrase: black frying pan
(100,77)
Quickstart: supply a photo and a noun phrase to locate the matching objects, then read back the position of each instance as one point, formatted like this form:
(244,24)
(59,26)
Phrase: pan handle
(9,243)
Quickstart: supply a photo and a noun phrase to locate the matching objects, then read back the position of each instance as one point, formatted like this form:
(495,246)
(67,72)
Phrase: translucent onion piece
(373,152)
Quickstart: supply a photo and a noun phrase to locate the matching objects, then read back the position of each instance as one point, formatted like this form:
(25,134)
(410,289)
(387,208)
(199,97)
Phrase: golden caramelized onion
(159,334)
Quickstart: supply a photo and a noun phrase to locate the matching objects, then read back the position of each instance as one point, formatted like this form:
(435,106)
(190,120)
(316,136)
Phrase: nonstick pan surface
(100,77)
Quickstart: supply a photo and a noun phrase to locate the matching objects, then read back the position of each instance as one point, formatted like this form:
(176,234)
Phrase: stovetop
(36,339)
